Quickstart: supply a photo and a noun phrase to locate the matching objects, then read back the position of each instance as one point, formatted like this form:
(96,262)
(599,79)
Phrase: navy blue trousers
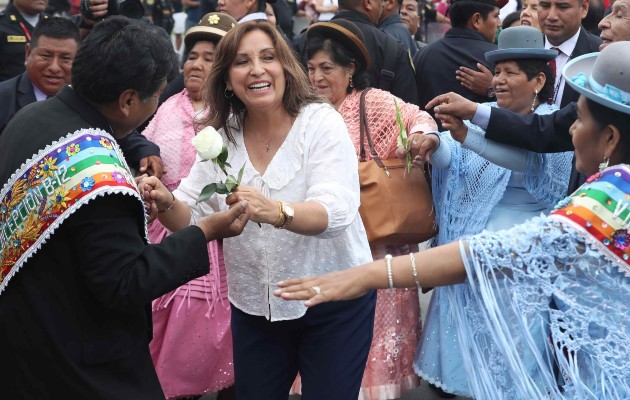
(328,346)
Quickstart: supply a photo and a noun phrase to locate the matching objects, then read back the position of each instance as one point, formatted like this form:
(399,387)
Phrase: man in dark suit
(76,275)
(539,133)
(474,27)
(49,56)
(16,27)
(561,22)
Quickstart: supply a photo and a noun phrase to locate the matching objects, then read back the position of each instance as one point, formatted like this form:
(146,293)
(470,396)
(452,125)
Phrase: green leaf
(222,189)
(402,131)
(222,157)
(231,183)
(240,174)
(207,192)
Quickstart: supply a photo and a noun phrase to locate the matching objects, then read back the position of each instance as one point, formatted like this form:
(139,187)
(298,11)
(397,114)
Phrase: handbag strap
(365,132)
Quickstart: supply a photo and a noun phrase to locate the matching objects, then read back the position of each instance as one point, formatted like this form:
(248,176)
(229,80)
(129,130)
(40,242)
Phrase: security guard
(16,25)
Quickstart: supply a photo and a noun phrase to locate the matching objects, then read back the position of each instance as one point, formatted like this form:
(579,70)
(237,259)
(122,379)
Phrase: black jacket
(76,319)
(436,64)
(404,83)
(17,92)
(15,32)
(540,133)
(586,43)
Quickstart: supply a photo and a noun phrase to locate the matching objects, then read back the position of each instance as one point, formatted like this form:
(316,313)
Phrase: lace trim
(280,172)
(620,265)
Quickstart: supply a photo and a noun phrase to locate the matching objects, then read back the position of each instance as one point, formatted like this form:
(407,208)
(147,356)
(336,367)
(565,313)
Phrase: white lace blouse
(316,162)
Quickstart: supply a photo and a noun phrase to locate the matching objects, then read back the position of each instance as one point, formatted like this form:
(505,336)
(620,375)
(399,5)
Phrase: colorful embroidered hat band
(600,208)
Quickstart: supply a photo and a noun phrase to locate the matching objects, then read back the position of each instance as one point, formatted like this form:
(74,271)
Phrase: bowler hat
(212,27)
(344,32)
(496,3)
(603,77)
(520,42)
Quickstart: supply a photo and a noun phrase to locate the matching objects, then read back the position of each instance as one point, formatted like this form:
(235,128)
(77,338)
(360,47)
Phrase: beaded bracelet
(169,208)
(412,258)
(390,275)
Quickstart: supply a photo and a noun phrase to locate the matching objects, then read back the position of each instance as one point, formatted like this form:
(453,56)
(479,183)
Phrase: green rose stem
(402,135)
(227,187)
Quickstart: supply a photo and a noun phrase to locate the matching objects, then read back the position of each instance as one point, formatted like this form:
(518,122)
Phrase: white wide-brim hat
(603,77)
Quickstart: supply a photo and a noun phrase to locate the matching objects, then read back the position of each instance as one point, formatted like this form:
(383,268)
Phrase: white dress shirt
(565,50)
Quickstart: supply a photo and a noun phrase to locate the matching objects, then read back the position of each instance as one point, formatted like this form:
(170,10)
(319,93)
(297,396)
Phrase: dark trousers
(329,346)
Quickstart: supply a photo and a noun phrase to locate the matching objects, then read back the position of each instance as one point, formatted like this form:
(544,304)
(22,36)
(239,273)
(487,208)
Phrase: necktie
(552,63)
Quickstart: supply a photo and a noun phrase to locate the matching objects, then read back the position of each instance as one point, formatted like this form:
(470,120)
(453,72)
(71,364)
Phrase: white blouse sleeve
(201,174)
(332,171)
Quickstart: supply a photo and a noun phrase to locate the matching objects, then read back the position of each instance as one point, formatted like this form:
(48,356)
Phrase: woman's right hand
(153,190)
(456,126)
(421,148)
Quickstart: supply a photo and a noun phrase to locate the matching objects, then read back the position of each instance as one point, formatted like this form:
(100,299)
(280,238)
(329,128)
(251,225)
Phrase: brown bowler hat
(344,32)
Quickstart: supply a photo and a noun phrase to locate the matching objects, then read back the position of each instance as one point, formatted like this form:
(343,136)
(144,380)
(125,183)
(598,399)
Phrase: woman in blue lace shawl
(473,191)
(548,313)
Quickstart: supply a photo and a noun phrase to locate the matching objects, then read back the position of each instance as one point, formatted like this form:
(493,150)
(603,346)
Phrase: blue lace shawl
(509,320)
(465,193)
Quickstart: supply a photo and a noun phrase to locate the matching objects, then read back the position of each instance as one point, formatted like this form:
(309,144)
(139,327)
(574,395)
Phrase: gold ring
(317,289)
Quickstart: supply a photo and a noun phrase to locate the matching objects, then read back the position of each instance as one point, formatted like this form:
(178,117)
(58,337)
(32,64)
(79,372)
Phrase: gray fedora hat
(520,42)
(603,77)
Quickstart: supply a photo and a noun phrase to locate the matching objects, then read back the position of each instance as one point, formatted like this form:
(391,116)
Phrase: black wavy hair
(121,54)
(55,28)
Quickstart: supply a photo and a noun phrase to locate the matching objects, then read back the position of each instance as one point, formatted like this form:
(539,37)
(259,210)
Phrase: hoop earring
(604,165)
(226,91)
(531,110)
(350,84)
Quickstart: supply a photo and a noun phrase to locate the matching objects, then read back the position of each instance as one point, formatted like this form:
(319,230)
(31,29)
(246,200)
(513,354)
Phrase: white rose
(208,143)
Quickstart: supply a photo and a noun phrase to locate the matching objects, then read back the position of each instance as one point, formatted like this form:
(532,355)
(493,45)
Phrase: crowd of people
(181,192)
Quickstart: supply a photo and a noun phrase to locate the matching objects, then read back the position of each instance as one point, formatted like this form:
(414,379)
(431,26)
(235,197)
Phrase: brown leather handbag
(396,207)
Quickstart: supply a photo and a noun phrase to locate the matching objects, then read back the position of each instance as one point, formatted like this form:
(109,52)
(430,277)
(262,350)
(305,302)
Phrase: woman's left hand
(340,285)
(262,208)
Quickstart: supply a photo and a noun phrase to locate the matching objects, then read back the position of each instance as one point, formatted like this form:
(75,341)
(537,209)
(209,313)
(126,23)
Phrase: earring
(226,91)
(531,110)
(350,84)
(604,165)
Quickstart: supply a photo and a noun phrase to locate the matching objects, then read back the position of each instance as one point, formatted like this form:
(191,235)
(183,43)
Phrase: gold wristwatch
(287,213)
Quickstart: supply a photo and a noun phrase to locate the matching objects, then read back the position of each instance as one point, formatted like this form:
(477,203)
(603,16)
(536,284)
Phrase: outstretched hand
(340,285)
(225,224)
(452,104)
(421,147)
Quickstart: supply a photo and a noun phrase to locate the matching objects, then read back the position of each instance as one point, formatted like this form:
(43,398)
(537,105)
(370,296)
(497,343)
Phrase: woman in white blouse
(301,183)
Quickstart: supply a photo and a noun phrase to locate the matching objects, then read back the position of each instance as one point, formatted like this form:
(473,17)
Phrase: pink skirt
(192,338)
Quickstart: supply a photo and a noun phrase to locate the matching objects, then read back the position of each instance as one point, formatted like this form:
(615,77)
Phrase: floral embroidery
(59,200)
(106,143)
(87,184)
(621,239)
(47,167)
(118,177)
(73,149)
(213,19)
